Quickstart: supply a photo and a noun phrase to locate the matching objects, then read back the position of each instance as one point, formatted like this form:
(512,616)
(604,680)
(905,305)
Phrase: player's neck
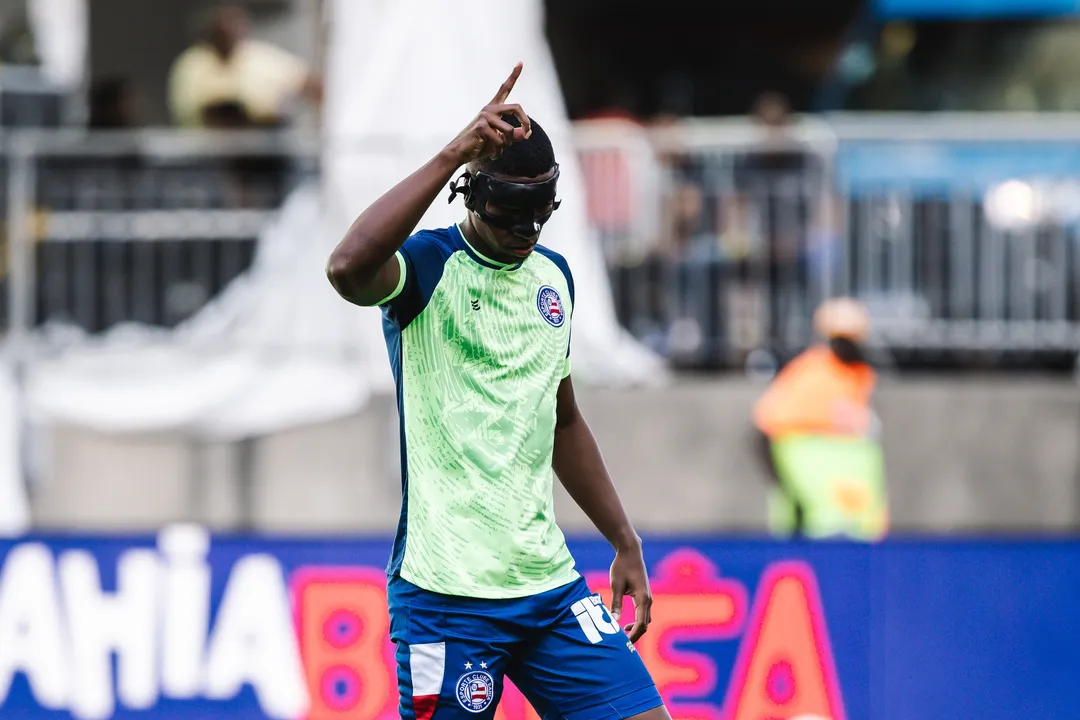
(472,237)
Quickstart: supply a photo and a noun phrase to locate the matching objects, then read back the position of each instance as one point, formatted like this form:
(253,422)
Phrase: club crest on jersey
(475,691)
(550,306)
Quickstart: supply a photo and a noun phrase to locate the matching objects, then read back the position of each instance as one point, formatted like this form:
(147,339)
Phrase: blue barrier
(183,626)
(940,167)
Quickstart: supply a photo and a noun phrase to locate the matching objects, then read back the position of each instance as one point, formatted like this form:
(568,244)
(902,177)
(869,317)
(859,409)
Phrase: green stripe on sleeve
(400,282)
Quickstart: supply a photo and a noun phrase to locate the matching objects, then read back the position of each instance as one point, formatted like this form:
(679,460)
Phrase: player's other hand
(488,134)
(629,577)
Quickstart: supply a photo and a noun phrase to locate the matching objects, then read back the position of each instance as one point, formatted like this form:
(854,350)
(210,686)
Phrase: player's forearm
(386,224)
(580,468)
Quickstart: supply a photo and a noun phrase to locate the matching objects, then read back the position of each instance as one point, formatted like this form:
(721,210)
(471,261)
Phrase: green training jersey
(478,350)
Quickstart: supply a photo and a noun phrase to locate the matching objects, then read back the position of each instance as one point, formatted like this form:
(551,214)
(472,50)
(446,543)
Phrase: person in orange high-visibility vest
(819,437)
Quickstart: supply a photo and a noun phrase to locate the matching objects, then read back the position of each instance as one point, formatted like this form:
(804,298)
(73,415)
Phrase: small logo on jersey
(475,691)
(475,304)
(550,306)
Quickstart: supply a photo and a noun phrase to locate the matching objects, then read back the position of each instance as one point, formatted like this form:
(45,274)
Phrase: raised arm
(362,267)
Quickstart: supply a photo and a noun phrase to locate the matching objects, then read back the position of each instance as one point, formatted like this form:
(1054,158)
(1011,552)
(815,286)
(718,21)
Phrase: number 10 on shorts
(594,619)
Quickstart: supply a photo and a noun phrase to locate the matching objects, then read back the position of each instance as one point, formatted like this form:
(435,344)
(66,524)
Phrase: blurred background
(892,481)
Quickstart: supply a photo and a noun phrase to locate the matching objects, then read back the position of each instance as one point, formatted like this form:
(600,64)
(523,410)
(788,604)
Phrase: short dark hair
(525,158)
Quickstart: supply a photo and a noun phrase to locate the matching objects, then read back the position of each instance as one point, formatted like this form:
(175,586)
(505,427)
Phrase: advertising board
(187,625)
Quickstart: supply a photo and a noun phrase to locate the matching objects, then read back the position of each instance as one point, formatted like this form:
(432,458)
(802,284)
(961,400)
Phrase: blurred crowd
(718,249)
(743,226)
(1021,65)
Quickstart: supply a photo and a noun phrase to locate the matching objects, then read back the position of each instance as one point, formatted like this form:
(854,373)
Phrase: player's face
(507,245)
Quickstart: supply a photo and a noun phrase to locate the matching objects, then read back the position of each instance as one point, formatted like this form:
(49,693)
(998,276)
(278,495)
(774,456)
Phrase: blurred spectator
(17,43)
(112,104)
(767,215)
(1042,75)
(776,175)
(231,81)
(621,104)
(819,435)
(883,75)
(686,209)
(609,181)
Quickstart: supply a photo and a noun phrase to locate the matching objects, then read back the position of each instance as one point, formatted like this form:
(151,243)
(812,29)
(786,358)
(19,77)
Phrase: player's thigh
(450,660)
(583,666)
(659,712)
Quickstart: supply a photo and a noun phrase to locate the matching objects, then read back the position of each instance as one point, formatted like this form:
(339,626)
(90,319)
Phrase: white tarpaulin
(278,348)
(275,350)
(61,37)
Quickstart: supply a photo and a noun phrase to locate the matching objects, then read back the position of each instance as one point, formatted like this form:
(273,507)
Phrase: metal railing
(107,228)
(725,260)
(720,238)
(960,234)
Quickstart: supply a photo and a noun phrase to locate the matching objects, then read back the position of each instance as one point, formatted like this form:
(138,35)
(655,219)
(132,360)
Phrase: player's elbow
(345,273)
(337,265)
(337,271)
(354,279)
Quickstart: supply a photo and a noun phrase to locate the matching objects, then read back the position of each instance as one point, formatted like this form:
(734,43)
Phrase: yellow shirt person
(231,80)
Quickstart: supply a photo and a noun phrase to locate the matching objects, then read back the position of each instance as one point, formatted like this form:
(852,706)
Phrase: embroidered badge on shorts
(475,690)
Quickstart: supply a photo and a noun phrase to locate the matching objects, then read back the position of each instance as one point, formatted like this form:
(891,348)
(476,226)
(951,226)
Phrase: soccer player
(477,320)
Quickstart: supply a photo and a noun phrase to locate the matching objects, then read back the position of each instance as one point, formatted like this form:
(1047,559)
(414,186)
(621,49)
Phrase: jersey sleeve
(573,306)
(420,264)
(564,268)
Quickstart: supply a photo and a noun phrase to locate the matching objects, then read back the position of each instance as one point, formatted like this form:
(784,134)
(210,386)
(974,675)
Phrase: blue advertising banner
(184,625)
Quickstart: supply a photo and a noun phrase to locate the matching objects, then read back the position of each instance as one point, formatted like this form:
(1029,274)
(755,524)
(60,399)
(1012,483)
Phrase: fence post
(20,238)
(20,207)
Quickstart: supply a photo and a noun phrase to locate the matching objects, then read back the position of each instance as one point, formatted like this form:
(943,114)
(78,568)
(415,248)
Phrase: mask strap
(461,185)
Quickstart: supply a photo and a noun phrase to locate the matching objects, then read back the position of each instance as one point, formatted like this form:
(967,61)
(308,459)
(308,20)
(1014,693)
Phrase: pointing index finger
(507,86)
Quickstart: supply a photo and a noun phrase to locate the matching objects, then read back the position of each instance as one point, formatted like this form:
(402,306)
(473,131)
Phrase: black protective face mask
(523,207)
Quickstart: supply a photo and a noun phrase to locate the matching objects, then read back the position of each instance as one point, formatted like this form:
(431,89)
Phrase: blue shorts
(560,648)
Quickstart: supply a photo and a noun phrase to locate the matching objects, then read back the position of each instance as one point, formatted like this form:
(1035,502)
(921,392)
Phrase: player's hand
(629,577)
(488,134)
